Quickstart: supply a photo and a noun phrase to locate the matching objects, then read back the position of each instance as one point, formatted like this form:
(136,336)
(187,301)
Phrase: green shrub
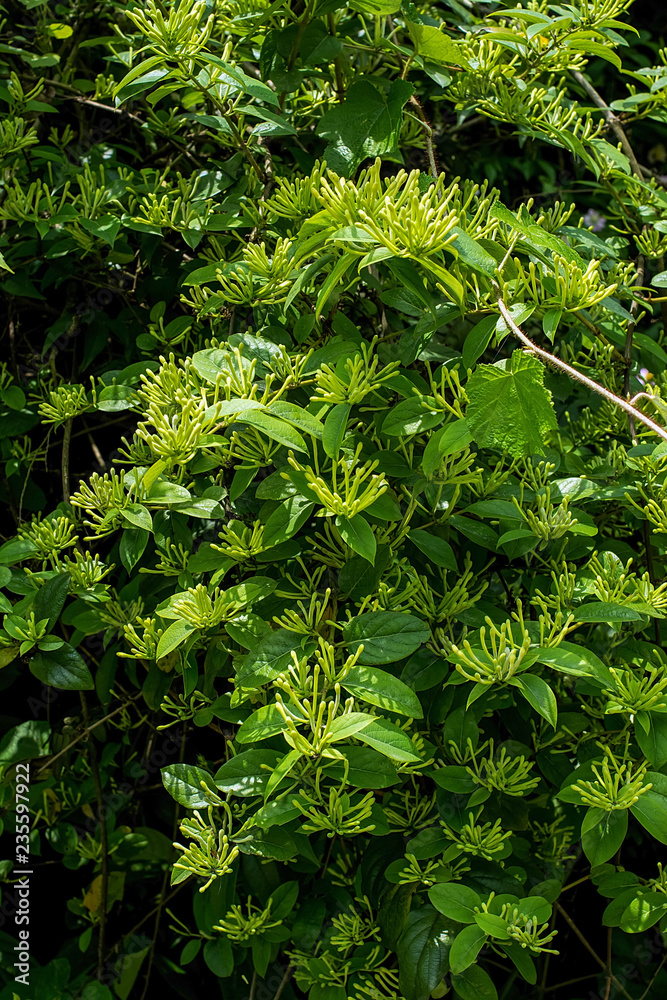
(360,495)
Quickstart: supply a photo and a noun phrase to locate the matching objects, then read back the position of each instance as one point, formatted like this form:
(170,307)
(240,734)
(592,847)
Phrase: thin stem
(597,332)
(104,840)
(570,922)
(627,351)
(571,885)
(571,982)
(612,121)
(286,978)
(147,916)
(654,977)
(245,149)
(253,986)
(608,975)
(551,359)
(51,761)
(64,465)
(161,899)
(428,135)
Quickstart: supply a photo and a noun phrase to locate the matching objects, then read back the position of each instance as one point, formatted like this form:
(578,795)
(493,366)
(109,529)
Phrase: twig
(551,359)
(570,922)
(607,991)
(285,980)
(571,885)
(88,729)
(147,916)
(104,840)
(612,121)
(597,332)
(654,977)
(428,134)
(64,466)
(627,351)
(571,982)
(161,899)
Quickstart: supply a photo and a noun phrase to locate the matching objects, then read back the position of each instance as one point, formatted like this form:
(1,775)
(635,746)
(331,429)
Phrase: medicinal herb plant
(332,428)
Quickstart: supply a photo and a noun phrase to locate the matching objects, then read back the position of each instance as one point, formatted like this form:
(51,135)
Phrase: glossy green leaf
(385,635)
(62,668)
(423,952)
(376,687)
(184,783)
(358,534)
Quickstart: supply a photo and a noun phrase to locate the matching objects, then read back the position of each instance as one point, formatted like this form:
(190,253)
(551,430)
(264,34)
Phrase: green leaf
(412,416)
(62,668)
(367,123)
(598,611)
(275,429)
(643,912)
(25,742)
(173,637)
(359,578)
(348,725)
(393,912)
(467,945)
(262,725)
(218,956)
(389,740)
(366,768)
(449,440)
(509,408)
(133,543)
(577,661)
(432,44)
(376,687)
(474,984)
(387,636)
(246,774)
(423,952)
(652,740)
(335,426)
(455,901)
(522,961)
(358,534)
(332,280)
(473,253)
(602,834)
(184,783)
(50,599)
(268,659)
(15,550)
(298,417)
(651,807)
(538,694)
(138,515)
(478,340)
(434,548)
(286,520)
(281,770)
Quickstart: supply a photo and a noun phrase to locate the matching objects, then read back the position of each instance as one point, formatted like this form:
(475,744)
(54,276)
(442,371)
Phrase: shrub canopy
(332,427)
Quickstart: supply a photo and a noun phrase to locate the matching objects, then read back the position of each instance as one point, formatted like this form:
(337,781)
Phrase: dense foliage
(331,426)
